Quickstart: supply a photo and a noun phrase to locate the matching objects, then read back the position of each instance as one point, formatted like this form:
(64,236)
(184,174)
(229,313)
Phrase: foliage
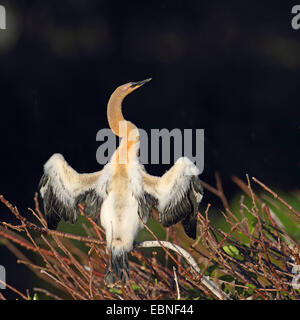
(249,249)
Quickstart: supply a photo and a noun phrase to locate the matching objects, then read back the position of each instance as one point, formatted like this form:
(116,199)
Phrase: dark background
(229,67)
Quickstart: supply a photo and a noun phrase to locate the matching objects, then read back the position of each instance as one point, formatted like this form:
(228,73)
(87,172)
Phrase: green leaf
(209,271)
(135,287)
(231,250)
(252,223)
(113,290)
(227,278)
(251,288)
(35,297)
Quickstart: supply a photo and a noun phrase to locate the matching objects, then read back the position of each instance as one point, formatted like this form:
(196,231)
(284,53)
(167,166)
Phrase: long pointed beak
(135,85)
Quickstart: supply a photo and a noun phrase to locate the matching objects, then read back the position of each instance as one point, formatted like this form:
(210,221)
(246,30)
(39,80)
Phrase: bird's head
(127,88)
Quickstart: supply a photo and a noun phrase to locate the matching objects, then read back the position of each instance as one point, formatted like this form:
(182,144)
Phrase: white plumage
(123,192)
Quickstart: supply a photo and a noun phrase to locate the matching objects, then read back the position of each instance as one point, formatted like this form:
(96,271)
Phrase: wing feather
(178,193)
(62,189)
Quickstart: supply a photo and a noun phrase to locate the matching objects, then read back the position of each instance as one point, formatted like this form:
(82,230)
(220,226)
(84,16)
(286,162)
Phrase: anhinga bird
(123,190)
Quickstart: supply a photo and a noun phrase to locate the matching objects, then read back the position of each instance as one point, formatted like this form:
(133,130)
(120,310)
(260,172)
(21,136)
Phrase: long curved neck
(114,112)
(119,126)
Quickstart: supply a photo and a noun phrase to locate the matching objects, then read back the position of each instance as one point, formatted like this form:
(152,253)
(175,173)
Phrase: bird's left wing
(62,189)
(178,194)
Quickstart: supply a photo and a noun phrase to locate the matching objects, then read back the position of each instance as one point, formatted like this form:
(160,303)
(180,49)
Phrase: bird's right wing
(62,189)
(178,194)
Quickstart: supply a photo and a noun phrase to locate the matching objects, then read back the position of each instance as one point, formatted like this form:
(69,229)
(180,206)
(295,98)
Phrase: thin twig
(176,282)
(276,196)
(204,279)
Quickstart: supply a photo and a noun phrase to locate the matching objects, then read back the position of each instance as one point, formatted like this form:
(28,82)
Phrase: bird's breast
(121,204)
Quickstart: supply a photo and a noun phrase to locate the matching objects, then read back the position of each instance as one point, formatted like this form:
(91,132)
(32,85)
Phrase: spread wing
(62,189)
(178,194)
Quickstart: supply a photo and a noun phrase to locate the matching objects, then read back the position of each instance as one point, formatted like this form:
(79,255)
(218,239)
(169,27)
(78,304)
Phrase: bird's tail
(117,267)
